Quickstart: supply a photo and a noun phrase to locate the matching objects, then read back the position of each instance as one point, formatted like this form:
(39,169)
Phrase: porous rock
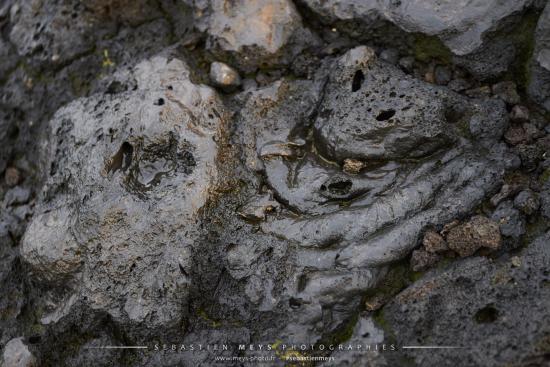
(478,232)
(374,217)
(433,242)
(539,81)
(137,167)
(254,33)
(422,259)
(224,76)
(504,296)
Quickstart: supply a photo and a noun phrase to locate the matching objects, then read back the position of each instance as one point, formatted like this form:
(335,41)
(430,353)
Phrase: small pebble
(17,354)
(224,76)
(479,231)
(407,63)
(433,242)
(390,55)
(507,91)
(353,166)
(12,176)
(519,114)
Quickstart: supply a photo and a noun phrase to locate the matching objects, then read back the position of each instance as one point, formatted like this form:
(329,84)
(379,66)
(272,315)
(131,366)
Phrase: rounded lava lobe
(138,217)
(386,116)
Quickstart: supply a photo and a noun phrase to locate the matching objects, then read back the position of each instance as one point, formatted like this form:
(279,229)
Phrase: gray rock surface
(150,167)
(507,296)
(539,82)
(325,198)
(461,25)
(17,354)
(253,33)
(346,251)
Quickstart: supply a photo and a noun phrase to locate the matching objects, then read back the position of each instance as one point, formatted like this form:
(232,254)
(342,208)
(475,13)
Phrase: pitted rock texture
(508,296)
(274,171)
(253,33)
(461,25)
(147,158)
(346,250)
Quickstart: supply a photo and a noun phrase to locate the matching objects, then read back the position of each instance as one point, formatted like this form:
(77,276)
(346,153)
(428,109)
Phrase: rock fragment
(515,135)
(505,192)
(390,55)
(17,354)
(12,176)
(519,114)
(433,242)
(509,219)
(224,76)
(478,232)
(527,201)
(507,91)
(257,33)
(258,207)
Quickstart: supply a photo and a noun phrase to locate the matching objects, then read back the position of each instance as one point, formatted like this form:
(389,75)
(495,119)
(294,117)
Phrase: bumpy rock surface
(148,158)
(461,25)
(507,296)
(478,232)
(274,172)
(256,33)
(539,87)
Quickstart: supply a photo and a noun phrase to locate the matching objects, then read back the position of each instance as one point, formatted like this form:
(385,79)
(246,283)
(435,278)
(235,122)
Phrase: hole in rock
(122,159)
(486,315)
(339,187)
(453,114)
(358,78)
(385,115)
(294,303)
(302,282)
(35,339)
(159,102)
(116,87)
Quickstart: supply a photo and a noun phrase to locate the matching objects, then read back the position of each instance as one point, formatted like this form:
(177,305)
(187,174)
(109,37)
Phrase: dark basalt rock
(147,159)
(365,173)
(505,295)
(539,82)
